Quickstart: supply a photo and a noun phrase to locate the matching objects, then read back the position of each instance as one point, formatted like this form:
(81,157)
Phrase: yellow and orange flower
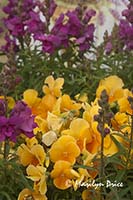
(120,122)
(37,174)
(65,148)
(63,174)
(42,125)
(124,104)
(33,154)
(68,104)
(113,85)
(30,97)
(80,130)
(53,87)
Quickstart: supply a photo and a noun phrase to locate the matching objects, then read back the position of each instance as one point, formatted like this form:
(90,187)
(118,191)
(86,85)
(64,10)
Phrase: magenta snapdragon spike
(34,24)
(126,34)
(15,26)
(76,30)
(74,24)
(23,18)
(126,27)
(20,121)
(128,13)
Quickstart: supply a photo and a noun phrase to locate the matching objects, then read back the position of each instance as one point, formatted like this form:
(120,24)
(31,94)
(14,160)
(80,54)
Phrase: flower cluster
(126,27)
(24,20)
(31,19)
(65,138)
(123,33)
(72,27)
(19,121)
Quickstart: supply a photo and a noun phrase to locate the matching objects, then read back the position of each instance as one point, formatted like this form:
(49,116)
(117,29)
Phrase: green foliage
(12,178)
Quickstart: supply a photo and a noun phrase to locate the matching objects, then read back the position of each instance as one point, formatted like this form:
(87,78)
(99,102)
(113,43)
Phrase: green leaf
(5,195)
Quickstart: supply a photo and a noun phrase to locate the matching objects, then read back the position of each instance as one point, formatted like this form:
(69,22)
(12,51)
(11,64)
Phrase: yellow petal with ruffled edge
(62,174)
(30,97)
(65,148)
(35,172)
(38,152)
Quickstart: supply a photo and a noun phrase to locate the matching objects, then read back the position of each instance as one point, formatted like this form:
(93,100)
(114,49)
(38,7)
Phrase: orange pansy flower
(34,155)
(113,85)
(65,148)
(63,174)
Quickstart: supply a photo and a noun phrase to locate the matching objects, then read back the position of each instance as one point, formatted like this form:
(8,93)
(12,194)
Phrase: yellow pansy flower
(110,147)
(37,174)
(113,86)
(34,155)
(39,106)
(68,104)
(31,141)
(124,104)
(30,96)
(48,102)
(53,87)
(42,125)
(26,194)
(63,174)
(65,148)
(120,122)
(82,97)
(80,130)
(90,112)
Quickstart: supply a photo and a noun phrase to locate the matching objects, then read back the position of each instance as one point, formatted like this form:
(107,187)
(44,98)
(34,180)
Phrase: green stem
(102,158)
(6,149)
(102,165)
(130,144)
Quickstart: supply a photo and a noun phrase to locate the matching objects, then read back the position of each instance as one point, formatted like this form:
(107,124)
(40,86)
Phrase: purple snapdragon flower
(126,27)
(15,26)
(74,24)
(73,29)
(34,23)
(20,121)
(128,13)
(88,15)
(126,34)
(85,40)
(24,17)
(49,42)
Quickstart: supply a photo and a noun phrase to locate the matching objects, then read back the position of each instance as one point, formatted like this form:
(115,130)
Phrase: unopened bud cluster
(130,100)
(104,115)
